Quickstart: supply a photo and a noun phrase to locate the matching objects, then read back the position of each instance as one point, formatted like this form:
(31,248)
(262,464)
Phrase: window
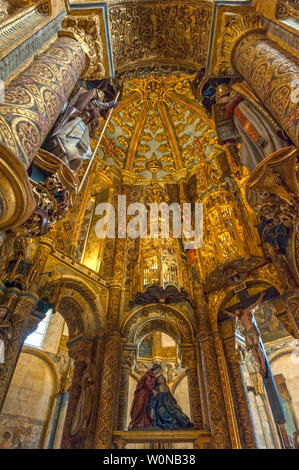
(36,338)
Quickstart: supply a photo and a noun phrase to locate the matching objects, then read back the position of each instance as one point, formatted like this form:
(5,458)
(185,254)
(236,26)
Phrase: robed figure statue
(154,406)
(70,138)
(139,410)
(164,410)
(254,128)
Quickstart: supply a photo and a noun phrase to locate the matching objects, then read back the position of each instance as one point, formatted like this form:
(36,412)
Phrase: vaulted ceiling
(159,120)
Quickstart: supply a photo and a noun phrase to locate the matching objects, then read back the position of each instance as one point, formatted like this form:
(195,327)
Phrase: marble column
(189,360)
(127,358)
(246,426)
(33,102)
(272,73)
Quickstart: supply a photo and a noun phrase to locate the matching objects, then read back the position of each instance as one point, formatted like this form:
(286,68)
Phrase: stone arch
(166,318)
(80,304)
(157,325)
(72,314)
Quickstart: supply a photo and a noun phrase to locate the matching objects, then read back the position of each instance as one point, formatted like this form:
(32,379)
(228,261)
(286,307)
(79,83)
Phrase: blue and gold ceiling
(157,119)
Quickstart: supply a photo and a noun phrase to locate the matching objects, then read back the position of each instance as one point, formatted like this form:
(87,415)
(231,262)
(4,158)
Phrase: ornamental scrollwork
(87,30)
(154,32)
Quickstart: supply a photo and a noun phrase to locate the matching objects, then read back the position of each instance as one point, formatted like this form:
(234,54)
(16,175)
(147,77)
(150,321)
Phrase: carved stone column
(216,404)
(107,407)
(80,350)
(246,426)
(23,321)
(271,72)
(107,399)
(202,391)
(21,300)
(127,357)
(189,360)
(33,101)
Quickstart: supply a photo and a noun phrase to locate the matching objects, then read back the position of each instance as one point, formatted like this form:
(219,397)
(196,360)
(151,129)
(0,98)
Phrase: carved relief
(87,30)
(232,27)
(155,32)
(287,9)
(21,322)
(157,312)
(104,425)
(34,99)
(271,72)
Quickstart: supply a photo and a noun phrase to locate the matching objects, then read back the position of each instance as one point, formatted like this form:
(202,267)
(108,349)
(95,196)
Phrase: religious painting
(19,432)
(270,327)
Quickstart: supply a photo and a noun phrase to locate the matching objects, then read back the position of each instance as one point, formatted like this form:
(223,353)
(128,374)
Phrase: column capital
(86,29)
(80,348)
(188,355)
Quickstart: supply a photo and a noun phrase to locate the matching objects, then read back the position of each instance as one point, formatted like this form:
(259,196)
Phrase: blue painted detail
(88,6)
(18,292)
(55,421)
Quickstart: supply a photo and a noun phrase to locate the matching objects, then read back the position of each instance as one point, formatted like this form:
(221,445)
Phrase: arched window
(36,338)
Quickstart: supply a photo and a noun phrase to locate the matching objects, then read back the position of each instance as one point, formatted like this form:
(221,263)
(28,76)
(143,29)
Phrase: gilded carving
(87,30)
(103,433)
(271,72)
(155,312)
(23,127)
(233,26)
(155,32)
(272,188)
(286,9)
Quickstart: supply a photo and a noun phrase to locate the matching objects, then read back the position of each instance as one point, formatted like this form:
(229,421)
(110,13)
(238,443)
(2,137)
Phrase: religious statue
(251,124)
(252,334)
(154,406)
(5,334)
(139,410)
(84,405)
(70,139)
(163,409)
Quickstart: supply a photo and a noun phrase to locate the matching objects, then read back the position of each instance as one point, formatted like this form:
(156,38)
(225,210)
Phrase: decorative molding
(231,26)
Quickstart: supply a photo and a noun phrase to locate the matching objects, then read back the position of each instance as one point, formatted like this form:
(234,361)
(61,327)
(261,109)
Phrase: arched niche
(167,319)
(233,299)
